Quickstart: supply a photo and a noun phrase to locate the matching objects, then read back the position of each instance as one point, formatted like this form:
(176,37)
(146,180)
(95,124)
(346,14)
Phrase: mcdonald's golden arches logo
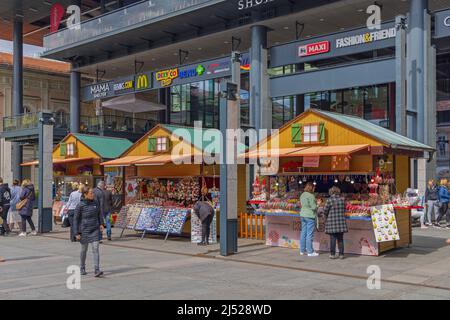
(142,82)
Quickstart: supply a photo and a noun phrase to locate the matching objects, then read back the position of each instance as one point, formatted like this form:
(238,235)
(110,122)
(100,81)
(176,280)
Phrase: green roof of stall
(105,147)
(381,134)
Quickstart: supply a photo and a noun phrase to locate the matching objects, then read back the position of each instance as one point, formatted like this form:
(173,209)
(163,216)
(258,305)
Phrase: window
(161,144)
(70,150)
(311,133)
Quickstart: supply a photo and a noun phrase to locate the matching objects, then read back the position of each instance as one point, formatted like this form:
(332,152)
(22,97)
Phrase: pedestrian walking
(25,207)
(444,198)
(308,214)
(88,224)
(107,207)
(5,202)
(99,197)
(72,203)
(336,224)
(13,214)
(432,203)
(205,212)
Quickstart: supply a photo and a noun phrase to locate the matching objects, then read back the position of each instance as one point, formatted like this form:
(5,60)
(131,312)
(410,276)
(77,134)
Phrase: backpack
(5,196)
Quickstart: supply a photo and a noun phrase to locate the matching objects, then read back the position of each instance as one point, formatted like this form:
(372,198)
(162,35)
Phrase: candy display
(384,223)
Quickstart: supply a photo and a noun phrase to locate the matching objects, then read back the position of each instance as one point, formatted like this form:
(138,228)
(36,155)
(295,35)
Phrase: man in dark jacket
(5,199)
(205,213)
(99,197)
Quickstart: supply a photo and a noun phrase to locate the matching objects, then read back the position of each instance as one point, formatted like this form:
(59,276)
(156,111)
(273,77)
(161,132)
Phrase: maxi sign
(334,45)
(207,70)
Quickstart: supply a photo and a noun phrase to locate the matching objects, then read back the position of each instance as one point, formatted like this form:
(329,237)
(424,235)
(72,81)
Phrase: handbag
(66,222)
(23,203)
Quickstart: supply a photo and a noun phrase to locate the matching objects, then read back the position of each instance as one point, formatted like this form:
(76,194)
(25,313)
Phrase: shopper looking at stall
(335,225)
(431,202)
(5,199)
(444,198)
(13,214)
(308,215)
(205,213)
(26,206)
(74,200)
(88,224)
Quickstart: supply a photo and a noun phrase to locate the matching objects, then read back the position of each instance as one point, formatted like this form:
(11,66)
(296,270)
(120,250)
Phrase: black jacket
(99,197)
(87,221)
(203,210)
(5,195)
(107,201)
(27,193)
(432,193)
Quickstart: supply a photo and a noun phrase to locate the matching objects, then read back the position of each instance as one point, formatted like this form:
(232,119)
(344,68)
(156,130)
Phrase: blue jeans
(108,224)
(307,235)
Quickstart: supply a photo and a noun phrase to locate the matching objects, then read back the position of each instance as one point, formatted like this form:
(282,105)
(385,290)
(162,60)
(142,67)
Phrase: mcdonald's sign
(142,82)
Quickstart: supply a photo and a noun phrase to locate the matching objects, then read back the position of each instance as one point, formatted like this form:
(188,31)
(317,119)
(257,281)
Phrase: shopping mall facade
(161,62)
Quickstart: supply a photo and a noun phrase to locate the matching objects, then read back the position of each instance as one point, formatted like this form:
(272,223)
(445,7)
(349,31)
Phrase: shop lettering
(247,4)
(365,38)
(166,77)
(314,49)
(127,85)
(215,68)
(447,21)
(190,73)
(100,90)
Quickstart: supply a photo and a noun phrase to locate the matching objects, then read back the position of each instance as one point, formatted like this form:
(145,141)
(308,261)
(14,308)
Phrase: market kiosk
(77,158)
(370,164)
(163,178)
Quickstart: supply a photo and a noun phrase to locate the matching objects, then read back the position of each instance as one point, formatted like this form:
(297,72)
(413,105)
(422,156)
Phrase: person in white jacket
(13,214)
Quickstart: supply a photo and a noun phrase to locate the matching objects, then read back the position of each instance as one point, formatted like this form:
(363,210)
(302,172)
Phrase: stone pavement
(35,268)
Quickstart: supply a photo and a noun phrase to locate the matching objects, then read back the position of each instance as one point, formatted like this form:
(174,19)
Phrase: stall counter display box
(196,229)
(173,220)
(122,221)
(133,216)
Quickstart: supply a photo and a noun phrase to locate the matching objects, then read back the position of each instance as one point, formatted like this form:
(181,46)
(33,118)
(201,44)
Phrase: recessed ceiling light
(47,3)
(360,10)
(286,28)
(153,59)
(226,42)
(322,19)
(175,53)
(199,49)
(33,9)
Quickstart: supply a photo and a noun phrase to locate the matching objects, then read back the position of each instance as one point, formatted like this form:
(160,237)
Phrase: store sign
(56,14)
(248,4)
(365,38)
(311,162)
(442,24)
(166,77)
(123,86)
(314,49)
(192,72)
(142,82)
(100,90)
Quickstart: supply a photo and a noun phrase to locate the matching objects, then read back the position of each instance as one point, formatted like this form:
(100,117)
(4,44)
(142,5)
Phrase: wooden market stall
(369,163)
(165,174)
(77,158)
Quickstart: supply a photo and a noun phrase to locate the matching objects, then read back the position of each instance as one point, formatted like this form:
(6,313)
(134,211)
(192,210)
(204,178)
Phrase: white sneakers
(33,233)
(314,254)
(22,234)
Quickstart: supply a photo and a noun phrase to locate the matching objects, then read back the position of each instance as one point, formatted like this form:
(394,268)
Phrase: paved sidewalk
(35,268)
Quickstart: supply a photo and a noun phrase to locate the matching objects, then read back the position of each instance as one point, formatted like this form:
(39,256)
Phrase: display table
(283,230)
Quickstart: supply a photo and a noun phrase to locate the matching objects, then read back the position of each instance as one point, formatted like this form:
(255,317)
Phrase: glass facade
(199,101)
(371,103)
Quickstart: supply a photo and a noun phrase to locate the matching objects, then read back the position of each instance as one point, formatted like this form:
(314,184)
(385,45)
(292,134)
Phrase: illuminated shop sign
(124,86)
(100,90)
(313,49)
(247,4)
(192,72)
(166,77)
(142,82)
(365,38)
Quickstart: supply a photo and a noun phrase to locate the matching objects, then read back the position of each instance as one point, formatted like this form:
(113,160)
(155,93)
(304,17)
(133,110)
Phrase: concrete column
(260,108)
(17,105)
(75,105)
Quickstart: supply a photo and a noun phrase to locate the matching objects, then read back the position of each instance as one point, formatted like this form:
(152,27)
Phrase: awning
(135,102)
(162,159)
(59,161)
(124,162)
(328,150)
(264,153)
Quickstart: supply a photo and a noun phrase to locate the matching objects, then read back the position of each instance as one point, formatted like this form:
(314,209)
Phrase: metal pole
(400,92)
(17,98)
(259,44)
(75,82)
(224,248)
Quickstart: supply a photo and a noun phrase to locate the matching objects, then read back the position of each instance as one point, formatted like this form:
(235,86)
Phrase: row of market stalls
(157,180)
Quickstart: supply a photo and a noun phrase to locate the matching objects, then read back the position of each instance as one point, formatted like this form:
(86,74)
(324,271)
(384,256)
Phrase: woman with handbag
(25,207)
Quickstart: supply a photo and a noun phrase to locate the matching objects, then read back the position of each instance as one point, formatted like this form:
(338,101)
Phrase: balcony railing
(112,124)
(25,121)
(128,17)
